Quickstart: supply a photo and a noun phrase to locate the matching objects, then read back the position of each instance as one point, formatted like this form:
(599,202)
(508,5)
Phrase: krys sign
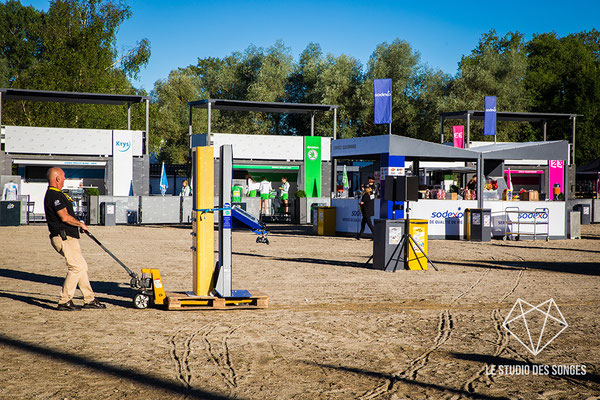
(123,146)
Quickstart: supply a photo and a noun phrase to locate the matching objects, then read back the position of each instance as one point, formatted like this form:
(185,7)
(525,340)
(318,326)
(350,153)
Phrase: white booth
(548,218)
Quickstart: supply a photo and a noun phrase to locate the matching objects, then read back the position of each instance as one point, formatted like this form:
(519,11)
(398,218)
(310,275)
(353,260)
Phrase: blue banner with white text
(489,124)
(383,101)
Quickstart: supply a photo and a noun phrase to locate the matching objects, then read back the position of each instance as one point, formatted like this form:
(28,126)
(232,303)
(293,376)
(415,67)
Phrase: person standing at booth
(251,186)
(285,188)
(185,189)
(265,189)
(64,236)
(367,209)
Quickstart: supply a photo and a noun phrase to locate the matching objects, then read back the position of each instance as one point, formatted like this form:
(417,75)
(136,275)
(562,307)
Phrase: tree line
(72,47)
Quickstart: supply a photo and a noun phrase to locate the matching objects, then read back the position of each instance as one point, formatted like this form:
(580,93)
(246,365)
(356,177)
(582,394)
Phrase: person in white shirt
(265,192)
(185,189)
(284,188)
(251,186)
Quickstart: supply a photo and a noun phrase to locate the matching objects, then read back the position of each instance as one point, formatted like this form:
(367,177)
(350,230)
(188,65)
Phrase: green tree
(170,136)
(496,67)
(399,62)
(71,47)
(564,77)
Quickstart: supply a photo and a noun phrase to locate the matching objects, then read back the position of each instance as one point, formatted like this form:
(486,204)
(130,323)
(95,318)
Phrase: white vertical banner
(122,153)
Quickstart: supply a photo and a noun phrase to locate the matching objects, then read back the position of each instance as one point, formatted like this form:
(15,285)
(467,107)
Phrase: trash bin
(387,255)
(326,221)
(314,216)
(467,223)
(417,251)
(478,224)
(108,214)
(574,225)
(10,213)
(585,212)
(132,218)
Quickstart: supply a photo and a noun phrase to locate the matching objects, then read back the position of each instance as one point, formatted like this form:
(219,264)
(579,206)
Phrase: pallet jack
(211,282)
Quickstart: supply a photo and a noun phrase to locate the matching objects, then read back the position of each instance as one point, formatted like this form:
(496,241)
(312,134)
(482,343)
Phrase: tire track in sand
(501,343)
(180,353)
(445,328)
(220,355)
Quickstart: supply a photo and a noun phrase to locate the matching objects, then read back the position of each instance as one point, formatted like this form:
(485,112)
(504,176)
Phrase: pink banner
(556,178)
(458,136)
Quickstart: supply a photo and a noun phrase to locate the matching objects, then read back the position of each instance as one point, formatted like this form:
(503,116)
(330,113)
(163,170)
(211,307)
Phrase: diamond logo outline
(535,349)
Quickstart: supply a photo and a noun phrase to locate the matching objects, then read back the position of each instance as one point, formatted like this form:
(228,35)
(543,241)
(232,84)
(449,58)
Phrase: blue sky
(180,32)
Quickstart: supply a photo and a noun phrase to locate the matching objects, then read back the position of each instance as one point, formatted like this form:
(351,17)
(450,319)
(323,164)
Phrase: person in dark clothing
(64,237)
(367,209)
(472,185)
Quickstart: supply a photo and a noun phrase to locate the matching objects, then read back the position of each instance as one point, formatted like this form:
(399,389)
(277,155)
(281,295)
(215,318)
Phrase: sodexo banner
(122,151)
(489,115)
(383,101)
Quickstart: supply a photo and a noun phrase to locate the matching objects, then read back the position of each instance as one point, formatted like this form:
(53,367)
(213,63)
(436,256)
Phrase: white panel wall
(263,147)
(34,140)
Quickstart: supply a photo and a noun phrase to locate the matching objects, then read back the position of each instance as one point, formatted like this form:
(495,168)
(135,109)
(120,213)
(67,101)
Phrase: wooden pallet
(184,301)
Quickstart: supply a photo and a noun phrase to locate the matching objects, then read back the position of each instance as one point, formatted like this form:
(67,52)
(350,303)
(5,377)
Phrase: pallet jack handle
(130,272)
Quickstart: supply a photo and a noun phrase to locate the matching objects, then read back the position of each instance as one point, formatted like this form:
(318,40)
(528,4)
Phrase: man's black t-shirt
(54,201)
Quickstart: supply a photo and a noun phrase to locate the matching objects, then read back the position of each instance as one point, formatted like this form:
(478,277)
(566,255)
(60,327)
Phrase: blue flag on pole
(383,101)
(164,183)
(489,124)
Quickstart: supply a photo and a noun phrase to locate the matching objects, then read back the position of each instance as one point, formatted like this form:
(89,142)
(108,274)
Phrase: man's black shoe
(94,304)
(68,306)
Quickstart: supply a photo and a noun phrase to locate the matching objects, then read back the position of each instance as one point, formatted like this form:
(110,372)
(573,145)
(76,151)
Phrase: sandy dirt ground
(333,330)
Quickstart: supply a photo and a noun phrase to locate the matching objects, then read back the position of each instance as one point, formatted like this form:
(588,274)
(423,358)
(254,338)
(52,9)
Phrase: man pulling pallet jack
(212,283)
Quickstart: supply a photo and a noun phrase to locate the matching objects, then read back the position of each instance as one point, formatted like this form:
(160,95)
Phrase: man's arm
(68,219)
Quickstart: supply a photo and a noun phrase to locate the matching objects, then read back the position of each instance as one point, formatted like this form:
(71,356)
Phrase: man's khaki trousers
(77,269)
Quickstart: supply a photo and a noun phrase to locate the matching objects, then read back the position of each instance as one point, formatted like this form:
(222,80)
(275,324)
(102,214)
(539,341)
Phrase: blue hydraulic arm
(251,223)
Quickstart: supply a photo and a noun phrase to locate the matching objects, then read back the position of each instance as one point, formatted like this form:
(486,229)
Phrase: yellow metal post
(203,223)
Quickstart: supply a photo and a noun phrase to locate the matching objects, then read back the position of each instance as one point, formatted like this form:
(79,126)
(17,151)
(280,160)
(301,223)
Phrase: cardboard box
(532,195)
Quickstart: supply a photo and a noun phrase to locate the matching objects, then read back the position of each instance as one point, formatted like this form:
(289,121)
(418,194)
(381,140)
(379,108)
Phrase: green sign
(312,166)
(284,167)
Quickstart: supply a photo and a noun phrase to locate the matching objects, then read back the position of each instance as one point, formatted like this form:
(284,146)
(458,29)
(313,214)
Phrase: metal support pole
(312,124)
(333,160)
(389,129)
(566,182)
(223,279)
(128,116)
(334,123)
(190,124)
(208,138)
(467,145)
(544,125)
(147,125)
(0,109)
(573,156)
(442,130)
(480,181)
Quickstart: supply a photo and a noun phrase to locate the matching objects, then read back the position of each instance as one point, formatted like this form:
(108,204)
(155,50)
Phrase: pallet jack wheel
(141,301)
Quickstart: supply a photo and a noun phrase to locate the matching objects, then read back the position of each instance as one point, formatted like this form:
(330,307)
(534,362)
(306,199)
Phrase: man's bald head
(56,177)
